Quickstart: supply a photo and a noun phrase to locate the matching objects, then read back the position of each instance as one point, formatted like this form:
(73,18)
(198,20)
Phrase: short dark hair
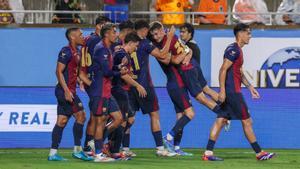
(132,37)
(102,20)
(69,31)
(140,24)
(107,27)
(240,27)
(189,27)
(155,25)
(126,25)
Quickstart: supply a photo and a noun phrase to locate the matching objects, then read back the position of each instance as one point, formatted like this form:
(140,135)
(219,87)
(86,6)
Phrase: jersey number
(135,61)
(86,58)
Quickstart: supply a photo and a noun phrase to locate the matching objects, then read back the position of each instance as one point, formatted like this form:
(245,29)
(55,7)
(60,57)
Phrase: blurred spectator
(17,5)
(6,18)
(288,6)
(258,6)
(66,5)
(116,2)
(119,9)
(173,6)
(213,6)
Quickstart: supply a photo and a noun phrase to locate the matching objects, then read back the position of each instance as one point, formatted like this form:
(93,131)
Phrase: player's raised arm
(162,54)
(222,77)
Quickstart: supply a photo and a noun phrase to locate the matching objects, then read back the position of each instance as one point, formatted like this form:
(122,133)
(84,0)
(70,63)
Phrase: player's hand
(222,97)
(124,70)
(172,31)
(69,96)
(254,93)
(187,58)
(142,91)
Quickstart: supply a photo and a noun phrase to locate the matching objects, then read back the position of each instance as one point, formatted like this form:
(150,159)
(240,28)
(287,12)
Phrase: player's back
(233,77)
(101,85)
(140,63)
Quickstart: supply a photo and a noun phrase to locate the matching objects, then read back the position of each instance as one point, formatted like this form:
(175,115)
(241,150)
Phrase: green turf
(234,159)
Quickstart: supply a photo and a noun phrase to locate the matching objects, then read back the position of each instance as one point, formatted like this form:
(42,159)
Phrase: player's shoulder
(120,52)
(66,50)
(232,47)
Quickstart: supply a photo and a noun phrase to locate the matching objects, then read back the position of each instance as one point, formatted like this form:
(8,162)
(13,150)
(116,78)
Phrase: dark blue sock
(77,133)
(256,147)
(87,139)
(118,137)
(98,146)
(177,138)
(56,136)
(158,138)
(128,125)
(210,145)
(126,140)
(180,124)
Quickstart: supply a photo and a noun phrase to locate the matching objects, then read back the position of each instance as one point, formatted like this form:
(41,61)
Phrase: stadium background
(28,59)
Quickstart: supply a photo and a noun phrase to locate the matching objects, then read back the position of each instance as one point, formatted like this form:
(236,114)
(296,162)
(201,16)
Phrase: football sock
(126,140)
(77,133)
(256,147)
(210,145)
(56,136)
(158,138)
(177,138)
(184,120)
(98,146)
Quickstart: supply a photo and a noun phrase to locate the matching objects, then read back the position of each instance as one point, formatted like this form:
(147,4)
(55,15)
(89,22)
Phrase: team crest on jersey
(62,55)
(232,53)
(80,105)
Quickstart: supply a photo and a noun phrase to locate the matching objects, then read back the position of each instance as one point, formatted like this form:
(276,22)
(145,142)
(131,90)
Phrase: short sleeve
(148,46)
(64,56)
(231,54)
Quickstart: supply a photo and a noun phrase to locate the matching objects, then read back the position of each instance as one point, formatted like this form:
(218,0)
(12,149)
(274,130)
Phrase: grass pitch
(234,159)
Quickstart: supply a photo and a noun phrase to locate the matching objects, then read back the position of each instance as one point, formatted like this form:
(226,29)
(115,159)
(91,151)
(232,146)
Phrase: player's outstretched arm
(222,77)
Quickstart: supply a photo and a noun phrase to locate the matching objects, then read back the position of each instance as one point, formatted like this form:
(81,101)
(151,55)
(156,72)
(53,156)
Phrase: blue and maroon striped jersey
(234,77)
(118,57)
(87,50)
(101,72)
(70,57)
(174,79)
(140,63)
